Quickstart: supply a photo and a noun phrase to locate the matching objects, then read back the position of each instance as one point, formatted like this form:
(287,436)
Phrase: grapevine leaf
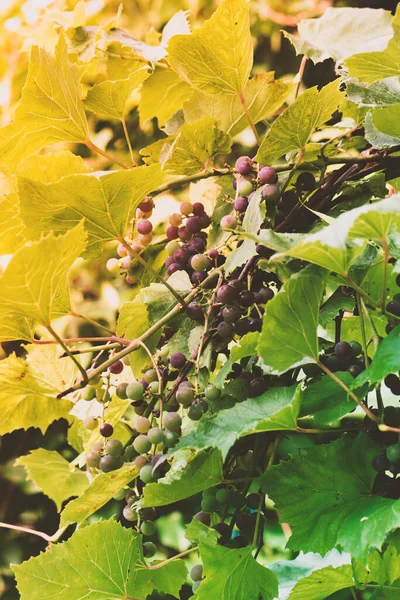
(336,511)
(234,573)
(325,402)
(385,122)
(50,109)
(217,58)
(247,346)
(162,95)
(52,167)
(101,561)
(342,32)
(293,128)
(198,532)
(100,491)
(11,225)
(371,66)
(275,410)
(382,567)
(189,475)
(379,93)
(110,98)
(53,475)
(106,201)
(386,360)
(29,388)
(263,97)
(289,333)
(322,583)
(34,286)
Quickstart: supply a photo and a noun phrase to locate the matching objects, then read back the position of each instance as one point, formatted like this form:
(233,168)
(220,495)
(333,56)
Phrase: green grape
(130,453)
(170,438)
(134,391)
(146,474)
(129,514)
(88,393)
(184,395)
(196,572)
(393,453)
(93,459)
(142,444)
(209,504)
(110,463)
(172,421)
(155,435)
(114,447)
(212,491)
(119,495)
(356,347)
(121,391)
(142,424)
(154,387)
(148,528)
(194,412)
(151,375)
(212,393)
(223,496)
(103,396)
(90,423)
(149,549)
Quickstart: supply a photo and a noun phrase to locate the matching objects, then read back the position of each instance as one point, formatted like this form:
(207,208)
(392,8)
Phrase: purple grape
(193,224)
(198,277)
(242,327)
(106,430)
(147,204)
(205,220)
(266,294)
(173,268)
(169,261)
(116,368)
(194,311)
(231,313)
(225,330)
(241,203)
(144,227)
(177,360)
(213,254)
(182,255)
(196,245)
(172,232)
(184,234)
(267,175)
(226,294)
(270,192)
(198,209)
(246,298)
(244,165)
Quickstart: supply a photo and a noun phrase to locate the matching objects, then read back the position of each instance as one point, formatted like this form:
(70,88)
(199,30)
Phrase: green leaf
(371,66)
(53,166)
(375,137)
(385,121)
(386,360)
(132,322)
(321,584)
(28,389)
(110,98)
(275,410)
(106,201)
(50,109)
(333,305)
(252,222)
(189,474)
(289,333)
(234,574)
(380,93)
(101,561)
(34,287)
(263,97)
(325,494)
(280,242)
(218,57)
(198,532)
(293,128)
(325,402)
(342,32)
(162,95)
(247,346)
(191,150)
(103,487)
(53,475)
(382,567)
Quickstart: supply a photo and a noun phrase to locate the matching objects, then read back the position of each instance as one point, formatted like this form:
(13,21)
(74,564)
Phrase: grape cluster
(387,465)
(346,356)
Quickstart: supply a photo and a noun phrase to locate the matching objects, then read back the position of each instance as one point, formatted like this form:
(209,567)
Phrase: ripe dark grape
(193,224)
(305,181)
(205,221)
(106,430)
(395,388)
(257,386)
(147,204)
(231,313)
(226,294)
(172,232)
(173,268)
(267,175)
(246,298)
(224,530)
(242,327)
(245,521)
(244,165)
(266,294)
(116,368)
(393,307)
(144,227)
(252,501)
(334,363)
(354,370)
(311,370)
(270,192)
(225,330)
(114,447)
(398,280)
(203,517)
(110,463)
(241,204)
(288,201)
(184,234)
(255,324)
(182,255)
(198,277)
(198,209)
(343,350)
(239,542)
(197,245)
(177,360)
(194,311)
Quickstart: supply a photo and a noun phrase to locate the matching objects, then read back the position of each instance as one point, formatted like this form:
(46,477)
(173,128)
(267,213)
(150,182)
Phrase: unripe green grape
(212,491)
(209,504)
(112,265)
(356,347)
(146,474)
(142,444)
(196,572)
(149,549)
(93,459)
(148,528)
(140,461)
(90,423)
(119,495)
(154,387)
(212,393)
(163,352)
(130,453)
(243,186)
(172,247)
(88,393)
(194,412)
(134,391)
(114,447)
(129,514)
(103,396)
(93,380)
(142,424)
(223,496)
(184,395)
(172,421)
(121,391)
(110,463)
(393,453)
(155,435)
(151,375)
(170,438)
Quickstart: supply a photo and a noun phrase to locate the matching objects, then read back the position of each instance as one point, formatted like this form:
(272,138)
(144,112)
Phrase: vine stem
(146,265)
(351,394)
(159,376)
(91,321)
(362,326)
(109,157)
(374,333)
(77,340)
(41,534)
(360,291)
(249,117)
(386,257)
(135,344)
(68,351)
(271,451)
(93,349)
(128,141)
(169,560)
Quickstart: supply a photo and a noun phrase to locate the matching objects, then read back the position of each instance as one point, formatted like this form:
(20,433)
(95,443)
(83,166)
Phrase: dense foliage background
(305,483)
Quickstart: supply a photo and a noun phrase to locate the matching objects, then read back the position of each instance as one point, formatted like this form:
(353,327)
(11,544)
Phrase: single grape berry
(226,294)
(155,435)
(203,517)
(144,227)
(228,222)
(146,474)
(193,224)
(142,424)
(356,348)
(196,245)
(177,360)
(198,209)
(196,572)
(244,187)
(88,393)
(129,514)
(151,375)
(148,528)
(106,430)
(393,453)
(116,368)
(305,181)
(257,386)
(110,463)
(140,461)
(266,294)
(244,165)
(225,330)
(288,201)
(198,277)
(194,412)
(135,391)
(343,350)
(201,262)
(184,395)
(149,549)
(171,233)
(253,501)
(175,219)
(231,313)
(186,208)
(241,204)
(242,327)
(380,463)
(334,363)
(172,421)
(121,391)
(223,496)
(267,175)
(394,308)
(142,444)
(114,447)
(270,192)
(244,521)
(170,438)
(93,459)
(147,204)
(246,298)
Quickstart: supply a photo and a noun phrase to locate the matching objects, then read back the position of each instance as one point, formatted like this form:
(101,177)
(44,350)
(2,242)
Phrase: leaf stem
(41,534)
(128,141)
(92,349)
(77,340)
(109,157)
(249,117)
(362,327)
(374,333)
(384,279)
(169,560)
(300,75)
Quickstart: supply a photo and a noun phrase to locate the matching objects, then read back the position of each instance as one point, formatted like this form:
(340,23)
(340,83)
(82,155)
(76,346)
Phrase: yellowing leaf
(28,390)
(53,166)
(162,95)
(34,287)
(11,225)
(50,109)
(53,475)
(293,128)
(106,201)
(110,98)
(263,97)
(218,57)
